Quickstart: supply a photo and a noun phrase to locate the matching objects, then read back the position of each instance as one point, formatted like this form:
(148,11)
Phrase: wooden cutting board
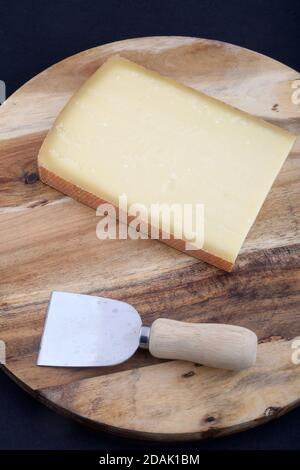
(48,242)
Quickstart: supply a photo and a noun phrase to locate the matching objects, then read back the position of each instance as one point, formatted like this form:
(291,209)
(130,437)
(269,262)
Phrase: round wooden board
(48,242)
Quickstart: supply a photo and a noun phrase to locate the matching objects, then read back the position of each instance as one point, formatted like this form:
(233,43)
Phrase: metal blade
(88,331)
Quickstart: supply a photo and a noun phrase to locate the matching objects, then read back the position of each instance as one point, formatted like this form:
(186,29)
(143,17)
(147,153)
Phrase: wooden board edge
(212,433)
(271,410)
(45,396)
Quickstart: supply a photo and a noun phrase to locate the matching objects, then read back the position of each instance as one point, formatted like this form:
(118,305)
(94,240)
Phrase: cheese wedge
(130,131)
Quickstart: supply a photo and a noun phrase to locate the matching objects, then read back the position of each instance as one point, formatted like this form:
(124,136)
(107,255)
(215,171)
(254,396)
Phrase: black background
(36,34)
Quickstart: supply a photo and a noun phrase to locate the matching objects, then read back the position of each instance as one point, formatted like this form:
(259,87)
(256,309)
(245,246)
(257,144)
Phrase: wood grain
(48,242)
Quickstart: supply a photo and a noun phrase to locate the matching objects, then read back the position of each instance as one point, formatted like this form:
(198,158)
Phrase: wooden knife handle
(214,345)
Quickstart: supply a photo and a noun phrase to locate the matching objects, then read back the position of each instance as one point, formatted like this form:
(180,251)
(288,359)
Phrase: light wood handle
(214,345)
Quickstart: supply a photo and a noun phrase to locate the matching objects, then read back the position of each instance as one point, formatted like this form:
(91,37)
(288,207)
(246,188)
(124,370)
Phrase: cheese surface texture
(130,130)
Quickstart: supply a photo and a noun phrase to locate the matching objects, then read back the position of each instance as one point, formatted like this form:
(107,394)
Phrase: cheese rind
(130,130)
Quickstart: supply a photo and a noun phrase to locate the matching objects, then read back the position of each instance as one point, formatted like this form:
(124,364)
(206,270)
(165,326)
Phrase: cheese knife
(89,331)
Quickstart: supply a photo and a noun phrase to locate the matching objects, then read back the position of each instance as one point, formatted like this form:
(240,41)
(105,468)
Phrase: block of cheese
(129,130)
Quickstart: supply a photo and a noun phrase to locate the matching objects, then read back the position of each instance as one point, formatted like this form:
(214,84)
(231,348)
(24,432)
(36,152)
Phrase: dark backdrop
(36,34)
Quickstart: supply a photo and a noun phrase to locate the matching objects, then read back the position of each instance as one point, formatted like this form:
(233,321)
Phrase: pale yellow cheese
(130,130)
